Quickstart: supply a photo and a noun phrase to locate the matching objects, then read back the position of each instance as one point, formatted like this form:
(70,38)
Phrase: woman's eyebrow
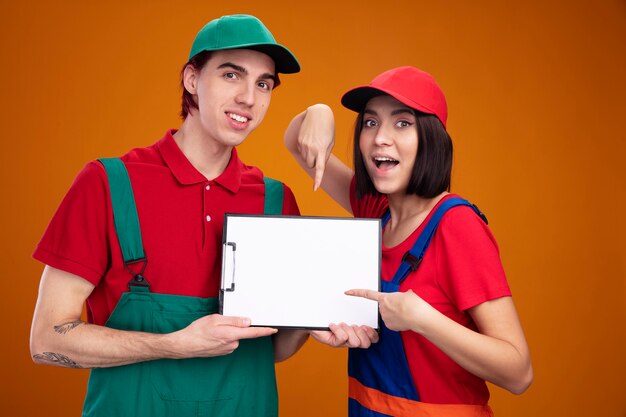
(395,112)
(402,110)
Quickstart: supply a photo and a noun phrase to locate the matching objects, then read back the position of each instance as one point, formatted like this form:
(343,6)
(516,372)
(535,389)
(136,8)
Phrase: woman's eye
(403,123)
(369,123)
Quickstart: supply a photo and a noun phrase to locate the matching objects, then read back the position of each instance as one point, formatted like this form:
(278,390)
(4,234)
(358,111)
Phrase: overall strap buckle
(138,279)
(411,260)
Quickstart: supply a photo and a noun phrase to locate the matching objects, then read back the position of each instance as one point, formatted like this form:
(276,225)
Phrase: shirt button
(208,187)
(208,218)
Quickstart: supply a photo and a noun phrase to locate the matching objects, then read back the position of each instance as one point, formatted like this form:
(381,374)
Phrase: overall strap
(274,194)
(386,217)
(413,258)
(125,217)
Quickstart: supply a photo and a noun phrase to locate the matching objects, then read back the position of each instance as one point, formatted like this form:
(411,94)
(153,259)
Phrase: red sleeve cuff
(66,265)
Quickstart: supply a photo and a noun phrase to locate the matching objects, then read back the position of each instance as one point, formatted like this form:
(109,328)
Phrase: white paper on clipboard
(284,271)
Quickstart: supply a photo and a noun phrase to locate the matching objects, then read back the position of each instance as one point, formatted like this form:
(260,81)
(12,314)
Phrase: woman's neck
(407,214)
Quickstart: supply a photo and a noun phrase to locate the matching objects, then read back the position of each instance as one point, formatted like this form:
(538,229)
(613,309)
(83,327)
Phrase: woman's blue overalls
(380,382)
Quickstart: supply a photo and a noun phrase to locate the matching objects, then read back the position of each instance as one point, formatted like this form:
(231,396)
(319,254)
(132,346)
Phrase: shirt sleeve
(290,206)
(469,267)
(76,239)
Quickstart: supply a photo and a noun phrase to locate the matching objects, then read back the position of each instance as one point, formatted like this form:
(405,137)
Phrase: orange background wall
(536,91)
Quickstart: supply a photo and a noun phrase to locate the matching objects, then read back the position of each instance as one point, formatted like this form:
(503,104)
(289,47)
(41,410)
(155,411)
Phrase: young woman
(449,320)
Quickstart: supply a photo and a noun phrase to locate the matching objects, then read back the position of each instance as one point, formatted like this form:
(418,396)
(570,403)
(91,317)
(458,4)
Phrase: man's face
(233,91)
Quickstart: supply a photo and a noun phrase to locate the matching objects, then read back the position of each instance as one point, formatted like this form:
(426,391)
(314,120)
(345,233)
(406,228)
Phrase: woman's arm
(310,138)
(498,353)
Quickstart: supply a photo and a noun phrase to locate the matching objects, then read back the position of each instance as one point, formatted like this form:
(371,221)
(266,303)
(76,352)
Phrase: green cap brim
(243,32)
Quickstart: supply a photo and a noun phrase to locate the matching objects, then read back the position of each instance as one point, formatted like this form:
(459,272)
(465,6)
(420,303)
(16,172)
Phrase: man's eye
(264,85)
(230,75)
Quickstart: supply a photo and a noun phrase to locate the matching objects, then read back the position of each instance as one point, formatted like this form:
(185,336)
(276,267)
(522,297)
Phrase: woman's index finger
(369,294)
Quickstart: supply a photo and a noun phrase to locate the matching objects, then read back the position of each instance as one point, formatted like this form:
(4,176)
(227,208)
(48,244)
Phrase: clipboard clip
(231,287)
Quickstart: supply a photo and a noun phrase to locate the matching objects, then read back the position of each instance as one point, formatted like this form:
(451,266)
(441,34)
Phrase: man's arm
(288,342)
(59,336)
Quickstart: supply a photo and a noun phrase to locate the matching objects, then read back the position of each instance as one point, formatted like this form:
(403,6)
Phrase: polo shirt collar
(187,174)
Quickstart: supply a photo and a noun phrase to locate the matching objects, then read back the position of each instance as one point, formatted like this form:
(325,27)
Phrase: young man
(150,280)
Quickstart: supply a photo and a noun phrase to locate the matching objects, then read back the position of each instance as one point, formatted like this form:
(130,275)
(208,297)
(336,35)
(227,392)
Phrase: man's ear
(190,79)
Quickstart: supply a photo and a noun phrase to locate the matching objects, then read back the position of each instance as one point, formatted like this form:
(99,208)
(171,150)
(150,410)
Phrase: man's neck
(205,154)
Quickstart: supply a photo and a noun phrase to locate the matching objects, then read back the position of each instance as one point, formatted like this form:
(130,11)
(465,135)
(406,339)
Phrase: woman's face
(388,144)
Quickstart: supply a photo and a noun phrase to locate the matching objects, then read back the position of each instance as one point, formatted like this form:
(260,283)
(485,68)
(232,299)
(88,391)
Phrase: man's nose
(246,95)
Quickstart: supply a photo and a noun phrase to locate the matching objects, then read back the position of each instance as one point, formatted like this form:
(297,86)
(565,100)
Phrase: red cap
(415,88)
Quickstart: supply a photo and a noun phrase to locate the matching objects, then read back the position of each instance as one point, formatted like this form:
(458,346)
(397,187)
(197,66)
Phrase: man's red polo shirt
(181,215)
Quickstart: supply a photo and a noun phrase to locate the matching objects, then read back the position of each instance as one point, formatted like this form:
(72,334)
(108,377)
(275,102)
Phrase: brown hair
(197,63)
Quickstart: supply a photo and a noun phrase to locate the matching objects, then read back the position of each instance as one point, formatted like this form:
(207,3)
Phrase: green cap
(242,31)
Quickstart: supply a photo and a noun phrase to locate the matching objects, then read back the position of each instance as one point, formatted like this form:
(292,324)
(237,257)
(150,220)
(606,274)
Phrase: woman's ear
(190,79)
